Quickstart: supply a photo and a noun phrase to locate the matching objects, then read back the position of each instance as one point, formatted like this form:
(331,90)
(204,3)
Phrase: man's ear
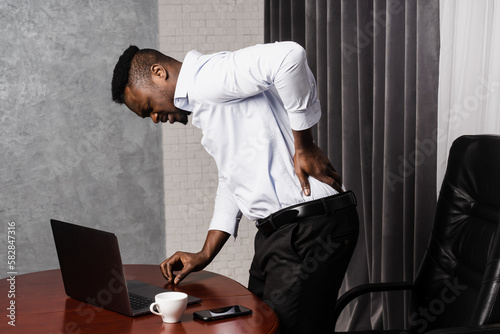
(159,72)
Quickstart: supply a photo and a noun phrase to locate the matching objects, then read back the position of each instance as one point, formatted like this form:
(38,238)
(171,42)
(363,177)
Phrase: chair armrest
(493,328)
(360,290)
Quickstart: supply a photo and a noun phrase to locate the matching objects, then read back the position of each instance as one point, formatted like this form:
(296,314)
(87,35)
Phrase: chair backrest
(458,281)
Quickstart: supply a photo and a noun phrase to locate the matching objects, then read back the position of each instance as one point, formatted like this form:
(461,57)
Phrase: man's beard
(183,116)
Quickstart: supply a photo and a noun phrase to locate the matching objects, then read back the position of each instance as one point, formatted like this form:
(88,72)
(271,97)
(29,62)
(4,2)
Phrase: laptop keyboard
(138,302)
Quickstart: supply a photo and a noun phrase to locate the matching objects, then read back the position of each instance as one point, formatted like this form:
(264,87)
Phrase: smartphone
(222,313)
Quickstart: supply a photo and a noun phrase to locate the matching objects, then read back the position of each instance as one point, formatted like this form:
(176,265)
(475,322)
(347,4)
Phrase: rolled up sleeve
(226,215)
(296,86)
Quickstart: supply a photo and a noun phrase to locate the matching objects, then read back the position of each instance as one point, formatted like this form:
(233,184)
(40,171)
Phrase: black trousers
(298,270)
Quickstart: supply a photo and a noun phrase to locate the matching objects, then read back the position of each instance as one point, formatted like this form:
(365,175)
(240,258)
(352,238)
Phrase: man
(256,107)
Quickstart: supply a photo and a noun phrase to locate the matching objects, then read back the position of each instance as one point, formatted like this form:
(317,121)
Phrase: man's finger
(304,182)
(167,272)
(170,272)
(337,182)
(337,186)
(336,176)
(331,182)
(178,278)
(181,275)
(167,268)
(164,271)
(306,189)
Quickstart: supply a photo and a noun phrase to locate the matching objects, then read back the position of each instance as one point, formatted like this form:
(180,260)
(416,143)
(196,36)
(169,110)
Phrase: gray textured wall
(68,152)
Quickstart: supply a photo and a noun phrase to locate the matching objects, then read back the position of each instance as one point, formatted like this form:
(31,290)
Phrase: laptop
(92,271)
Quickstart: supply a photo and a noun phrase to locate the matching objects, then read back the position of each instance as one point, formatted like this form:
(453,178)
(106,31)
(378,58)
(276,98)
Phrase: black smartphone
(222,313)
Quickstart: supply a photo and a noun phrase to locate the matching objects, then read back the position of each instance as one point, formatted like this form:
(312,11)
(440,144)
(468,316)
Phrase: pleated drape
(469,92)
(376,65)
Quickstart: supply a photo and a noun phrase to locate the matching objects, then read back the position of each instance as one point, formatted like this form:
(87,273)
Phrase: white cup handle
(152,308)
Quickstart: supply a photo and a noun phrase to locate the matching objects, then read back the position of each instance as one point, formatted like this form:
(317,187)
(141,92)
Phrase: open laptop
(92,271)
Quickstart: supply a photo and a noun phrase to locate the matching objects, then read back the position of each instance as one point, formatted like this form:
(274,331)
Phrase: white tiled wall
(190,174)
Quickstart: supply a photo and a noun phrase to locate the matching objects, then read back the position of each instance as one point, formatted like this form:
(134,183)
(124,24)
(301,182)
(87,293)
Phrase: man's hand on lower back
(309,160)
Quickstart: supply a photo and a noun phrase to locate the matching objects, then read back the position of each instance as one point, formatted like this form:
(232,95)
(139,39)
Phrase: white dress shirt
(246,103)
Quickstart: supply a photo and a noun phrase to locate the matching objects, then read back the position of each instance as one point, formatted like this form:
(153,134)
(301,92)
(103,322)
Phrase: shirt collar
(186,76)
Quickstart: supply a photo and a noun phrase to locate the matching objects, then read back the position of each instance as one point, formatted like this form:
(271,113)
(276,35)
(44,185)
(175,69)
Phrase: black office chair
(459,279)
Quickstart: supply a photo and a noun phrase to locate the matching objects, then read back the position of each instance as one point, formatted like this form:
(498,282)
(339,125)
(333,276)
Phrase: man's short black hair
(134,69)
(121,74)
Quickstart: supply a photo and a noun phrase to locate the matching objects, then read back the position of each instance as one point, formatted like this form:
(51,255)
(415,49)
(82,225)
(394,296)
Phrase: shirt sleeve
(231,76)
(226,215)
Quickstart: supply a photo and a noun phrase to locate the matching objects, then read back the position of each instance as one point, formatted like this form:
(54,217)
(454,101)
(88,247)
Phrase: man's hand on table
(186,263)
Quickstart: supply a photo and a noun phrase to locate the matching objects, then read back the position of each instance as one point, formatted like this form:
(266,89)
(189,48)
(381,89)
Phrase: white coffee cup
(170,306)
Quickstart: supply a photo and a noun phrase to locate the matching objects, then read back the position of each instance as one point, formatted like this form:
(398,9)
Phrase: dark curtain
(376,64)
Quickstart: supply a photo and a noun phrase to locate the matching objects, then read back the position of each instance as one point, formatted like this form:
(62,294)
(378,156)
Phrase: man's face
(156,101)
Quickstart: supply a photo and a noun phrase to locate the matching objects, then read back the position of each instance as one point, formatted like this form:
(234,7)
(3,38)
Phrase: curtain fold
(376,64)
(469,90)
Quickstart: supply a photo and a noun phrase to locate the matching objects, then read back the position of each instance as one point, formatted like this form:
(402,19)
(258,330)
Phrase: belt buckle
(266,226)
(270,220)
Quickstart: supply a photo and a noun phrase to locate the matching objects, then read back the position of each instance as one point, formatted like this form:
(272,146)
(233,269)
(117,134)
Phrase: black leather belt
(293,213)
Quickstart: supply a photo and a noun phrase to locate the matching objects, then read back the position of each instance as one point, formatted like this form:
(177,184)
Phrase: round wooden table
(41,306)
